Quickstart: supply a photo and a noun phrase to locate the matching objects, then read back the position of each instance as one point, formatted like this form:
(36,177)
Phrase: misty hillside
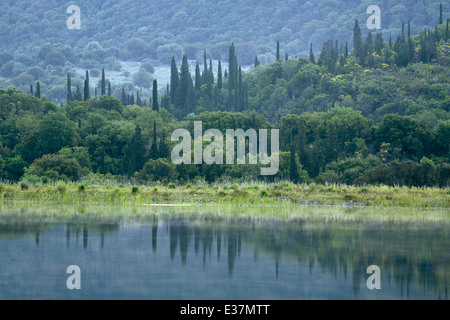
(141,29)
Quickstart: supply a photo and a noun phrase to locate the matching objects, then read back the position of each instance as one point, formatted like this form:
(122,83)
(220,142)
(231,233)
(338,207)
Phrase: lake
(166,253)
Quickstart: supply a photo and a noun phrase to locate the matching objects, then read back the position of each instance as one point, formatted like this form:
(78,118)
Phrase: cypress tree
(134,153)
(38,90)
(185,95)
(198,78)
(155,96)
(278,51)
(69,88)
(31,90)
(441,16)
(132,99)
(124,98)
(211,73)
(154,147)
(138,99)
(286,57)
(358,45)
(77,96)
(379,43)
(87,93)
(174,79)
(312,58)
(241,91)
(109,89)
(95,92)
(205,68)
(103,91)
(293,167)
(346,50)
(164,151)
(257,63)
(219,76)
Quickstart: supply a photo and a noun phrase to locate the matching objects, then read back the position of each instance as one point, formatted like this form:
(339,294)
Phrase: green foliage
(171,186)
(135,189)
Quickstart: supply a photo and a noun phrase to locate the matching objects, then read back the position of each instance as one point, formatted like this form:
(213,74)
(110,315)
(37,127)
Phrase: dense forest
(35,43)
(377,114)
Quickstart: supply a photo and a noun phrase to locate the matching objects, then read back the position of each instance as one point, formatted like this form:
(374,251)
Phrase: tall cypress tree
(210,72)
(241,91)
(185,95)
(358,45)
(138,99)
(154,147)
(257,63)
(441,16)
(198,78)
(278,51)
(86,92)
(311,55)
(31,90)
(219,76)
(77,96)
(205,68)
(293,167)
(95,93)
(232,70)
(163,147)
(346,50)
(124,97)
(286,57)
(109,89)
(69,88)
(174,80)
(134,153)
(103,91)
(38,90)
(155,96)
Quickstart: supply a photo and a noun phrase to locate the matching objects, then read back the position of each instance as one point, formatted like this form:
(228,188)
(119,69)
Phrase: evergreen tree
(124,97)
(232,77)
(205,68)
(198,78)
(241,91)
(103,91)
(346,50)
(358,45)
(210,72)
(278,51)
(312,58)
(95,92)
(219,76)
(294,175)
(185,95)
(286,57)
(38,90)
(174,80)
(164,151)
(132,102)
(155,106)
(77,96)
(69,88)
(257,63)
(31,90)
(154,147)
(109,89)
(134,153)
(87,92)
(138,99)
(379,44)
(441,16)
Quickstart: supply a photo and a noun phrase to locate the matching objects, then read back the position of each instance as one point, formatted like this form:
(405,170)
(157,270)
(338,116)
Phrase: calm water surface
(175,254)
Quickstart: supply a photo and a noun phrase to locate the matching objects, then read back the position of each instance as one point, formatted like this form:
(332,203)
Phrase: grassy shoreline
(283,194)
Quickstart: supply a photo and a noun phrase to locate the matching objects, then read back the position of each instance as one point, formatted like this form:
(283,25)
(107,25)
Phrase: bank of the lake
(282,194)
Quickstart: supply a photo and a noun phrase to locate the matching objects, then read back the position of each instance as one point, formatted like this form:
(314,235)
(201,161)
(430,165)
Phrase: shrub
(234,186)
(61,188)
(82,187)
(135,189)
(23,186)
(350,197)
(155,190)
(171,186)
(263,192)
(121,186)
(189,185)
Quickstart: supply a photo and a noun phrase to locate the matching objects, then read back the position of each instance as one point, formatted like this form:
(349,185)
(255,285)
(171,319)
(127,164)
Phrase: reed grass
(282,194)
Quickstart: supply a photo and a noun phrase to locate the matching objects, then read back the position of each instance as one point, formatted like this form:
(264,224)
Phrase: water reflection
(329,257)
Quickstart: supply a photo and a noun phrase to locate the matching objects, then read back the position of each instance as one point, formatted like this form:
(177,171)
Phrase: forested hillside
(36,45)
(374,114)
